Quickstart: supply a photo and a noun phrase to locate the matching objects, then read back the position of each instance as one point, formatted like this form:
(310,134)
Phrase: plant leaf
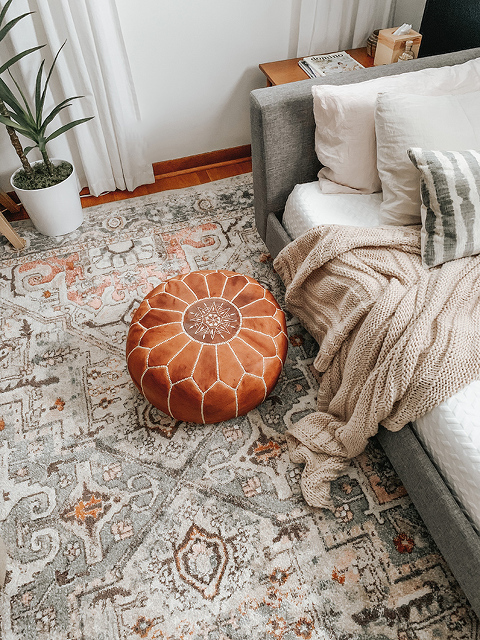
(57,110)
(44,94)
(10,123)
(23,122)
(38,93)
(66,127)
(28,149)
(25,101)
(10,99)
(3,13)
(4,30)
(18,57)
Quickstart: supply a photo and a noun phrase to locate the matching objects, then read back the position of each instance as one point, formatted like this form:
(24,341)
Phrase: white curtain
(108,152)
(336,25)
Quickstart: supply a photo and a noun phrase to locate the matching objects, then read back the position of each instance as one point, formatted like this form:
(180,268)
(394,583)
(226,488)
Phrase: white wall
(195,63)
(410,11)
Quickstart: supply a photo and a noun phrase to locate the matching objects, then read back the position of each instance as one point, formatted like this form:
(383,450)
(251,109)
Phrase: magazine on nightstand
(322,65)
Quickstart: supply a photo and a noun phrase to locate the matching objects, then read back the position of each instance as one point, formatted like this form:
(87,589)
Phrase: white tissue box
(390,47)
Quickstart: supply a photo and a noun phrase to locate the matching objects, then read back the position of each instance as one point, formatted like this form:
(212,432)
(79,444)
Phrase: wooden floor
(176,174)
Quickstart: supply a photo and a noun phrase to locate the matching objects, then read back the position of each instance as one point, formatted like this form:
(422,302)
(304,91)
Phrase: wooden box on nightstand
(390,47)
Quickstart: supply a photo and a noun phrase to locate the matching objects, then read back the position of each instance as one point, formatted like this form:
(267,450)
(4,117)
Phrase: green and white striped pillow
(450,190)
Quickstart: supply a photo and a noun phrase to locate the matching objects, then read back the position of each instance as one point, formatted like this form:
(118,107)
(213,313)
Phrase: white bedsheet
(450,433)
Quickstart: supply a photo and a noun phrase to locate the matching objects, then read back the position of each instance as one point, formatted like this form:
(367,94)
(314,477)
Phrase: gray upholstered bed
(283,155)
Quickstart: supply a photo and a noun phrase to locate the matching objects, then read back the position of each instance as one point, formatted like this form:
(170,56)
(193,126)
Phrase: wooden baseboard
(175,174)
(208,160)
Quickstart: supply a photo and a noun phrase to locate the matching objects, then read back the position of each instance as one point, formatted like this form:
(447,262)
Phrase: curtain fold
(336,25)
(108,152)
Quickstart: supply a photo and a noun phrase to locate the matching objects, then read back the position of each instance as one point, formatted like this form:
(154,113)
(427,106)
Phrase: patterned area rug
(121,523)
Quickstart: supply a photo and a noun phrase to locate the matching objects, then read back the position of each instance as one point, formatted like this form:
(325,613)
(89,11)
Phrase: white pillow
(443,123)
(345,128)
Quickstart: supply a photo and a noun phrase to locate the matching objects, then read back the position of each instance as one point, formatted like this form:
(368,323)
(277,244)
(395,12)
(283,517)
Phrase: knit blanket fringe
(395,339)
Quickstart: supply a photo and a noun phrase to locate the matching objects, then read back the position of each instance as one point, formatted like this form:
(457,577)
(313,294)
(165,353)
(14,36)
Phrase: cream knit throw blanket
(395,339)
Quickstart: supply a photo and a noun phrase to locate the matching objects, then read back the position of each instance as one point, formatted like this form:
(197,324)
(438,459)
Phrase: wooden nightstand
(285,71)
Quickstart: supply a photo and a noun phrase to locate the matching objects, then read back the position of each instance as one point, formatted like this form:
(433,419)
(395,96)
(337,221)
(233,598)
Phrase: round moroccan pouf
(207,346)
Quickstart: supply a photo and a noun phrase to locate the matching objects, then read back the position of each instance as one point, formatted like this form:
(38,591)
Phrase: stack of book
(322,65)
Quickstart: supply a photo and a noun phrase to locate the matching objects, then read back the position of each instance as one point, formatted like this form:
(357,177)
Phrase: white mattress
(450,433)
(308,207)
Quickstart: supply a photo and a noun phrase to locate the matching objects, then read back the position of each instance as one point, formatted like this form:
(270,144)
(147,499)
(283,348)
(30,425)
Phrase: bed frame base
(283,155)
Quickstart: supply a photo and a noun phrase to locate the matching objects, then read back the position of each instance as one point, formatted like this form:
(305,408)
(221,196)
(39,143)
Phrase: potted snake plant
(48,187)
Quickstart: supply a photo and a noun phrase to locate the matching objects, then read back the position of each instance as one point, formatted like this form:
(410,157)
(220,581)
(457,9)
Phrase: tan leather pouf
(207,346)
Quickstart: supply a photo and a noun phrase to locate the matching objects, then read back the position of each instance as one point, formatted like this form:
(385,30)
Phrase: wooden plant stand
(5,227)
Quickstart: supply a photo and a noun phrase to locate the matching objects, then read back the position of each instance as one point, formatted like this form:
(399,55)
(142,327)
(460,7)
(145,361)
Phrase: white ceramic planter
(55,210)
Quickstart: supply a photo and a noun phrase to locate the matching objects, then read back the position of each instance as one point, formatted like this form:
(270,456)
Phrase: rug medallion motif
(122,523)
